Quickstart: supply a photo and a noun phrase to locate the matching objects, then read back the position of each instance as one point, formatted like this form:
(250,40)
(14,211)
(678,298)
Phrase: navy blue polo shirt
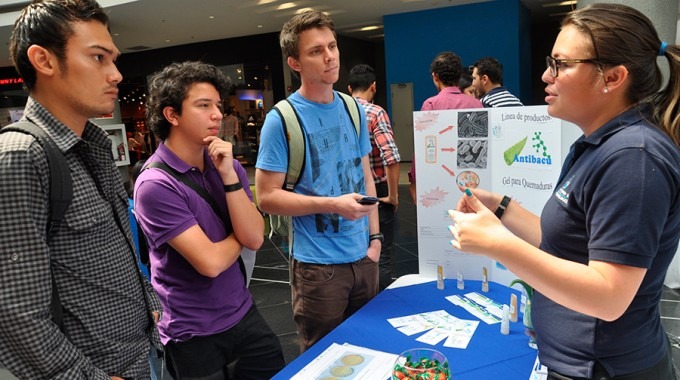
(618,203)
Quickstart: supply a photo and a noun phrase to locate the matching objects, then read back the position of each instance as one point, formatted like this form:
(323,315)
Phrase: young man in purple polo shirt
(209,318)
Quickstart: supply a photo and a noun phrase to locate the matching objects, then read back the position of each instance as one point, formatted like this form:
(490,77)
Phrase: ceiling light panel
(559,4)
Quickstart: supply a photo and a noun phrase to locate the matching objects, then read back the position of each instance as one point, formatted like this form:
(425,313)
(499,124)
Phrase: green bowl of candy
(421,364)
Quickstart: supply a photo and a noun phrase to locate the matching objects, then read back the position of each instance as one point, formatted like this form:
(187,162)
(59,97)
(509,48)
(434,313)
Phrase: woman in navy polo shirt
(598,254)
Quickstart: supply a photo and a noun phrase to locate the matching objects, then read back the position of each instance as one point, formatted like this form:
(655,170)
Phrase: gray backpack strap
(295,136)
(352,108)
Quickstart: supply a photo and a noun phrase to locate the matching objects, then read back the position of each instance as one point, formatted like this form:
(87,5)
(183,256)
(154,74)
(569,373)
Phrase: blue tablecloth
(490,355)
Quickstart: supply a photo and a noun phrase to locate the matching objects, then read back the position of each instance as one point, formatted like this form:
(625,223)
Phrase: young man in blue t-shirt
(337,241)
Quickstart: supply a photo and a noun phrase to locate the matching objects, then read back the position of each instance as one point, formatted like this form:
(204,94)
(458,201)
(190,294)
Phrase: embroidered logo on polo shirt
(563,193)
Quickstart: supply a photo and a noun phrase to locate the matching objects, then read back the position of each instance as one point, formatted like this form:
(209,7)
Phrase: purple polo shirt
(193,305)
(450,98)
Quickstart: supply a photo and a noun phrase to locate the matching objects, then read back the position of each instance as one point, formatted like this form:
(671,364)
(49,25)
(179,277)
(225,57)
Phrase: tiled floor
(271,291)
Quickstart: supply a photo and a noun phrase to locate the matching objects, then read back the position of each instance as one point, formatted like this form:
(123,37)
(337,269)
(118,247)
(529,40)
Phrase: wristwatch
(233,187)
(378,236)
(501,207)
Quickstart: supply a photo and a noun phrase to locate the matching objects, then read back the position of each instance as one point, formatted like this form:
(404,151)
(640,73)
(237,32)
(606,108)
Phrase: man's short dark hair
(465,81)
(447,66)
(361,77)
(169,88)
(49,24)
(490,67)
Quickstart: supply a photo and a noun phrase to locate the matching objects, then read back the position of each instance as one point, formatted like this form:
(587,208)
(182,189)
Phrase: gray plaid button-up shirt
(106,303)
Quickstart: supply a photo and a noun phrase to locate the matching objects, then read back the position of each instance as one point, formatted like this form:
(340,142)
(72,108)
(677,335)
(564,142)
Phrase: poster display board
(517,151)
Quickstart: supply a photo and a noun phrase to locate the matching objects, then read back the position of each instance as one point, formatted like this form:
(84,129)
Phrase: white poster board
(516,151)
(119,143)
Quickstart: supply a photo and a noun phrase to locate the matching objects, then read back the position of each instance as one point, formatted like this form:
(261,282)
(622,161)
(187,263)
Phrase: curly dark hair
(447,66)
(169,88)
(48,24)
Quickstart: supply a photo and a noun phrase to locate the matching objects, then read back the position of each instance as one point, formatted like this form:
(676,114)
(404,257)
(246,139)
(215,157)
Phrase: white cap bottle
(505,322)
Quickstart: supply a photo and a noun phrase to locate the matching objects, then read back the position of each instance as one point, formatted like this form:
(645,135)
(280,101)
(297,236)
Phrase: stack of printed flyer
(347,362)
(439,325)
(480,306)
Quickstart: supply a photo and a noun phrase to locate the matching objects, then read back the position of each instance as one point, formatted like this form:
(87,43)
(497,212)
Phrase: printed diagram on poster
(516,151)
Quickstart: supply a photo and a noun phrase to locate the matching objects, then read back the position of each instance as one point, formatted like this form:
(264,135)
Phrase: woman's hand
(488,199)
(475,228)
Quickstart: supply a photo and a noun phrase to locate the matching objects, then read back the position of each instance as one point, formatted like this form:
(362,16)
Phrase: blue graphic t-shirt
(333,153)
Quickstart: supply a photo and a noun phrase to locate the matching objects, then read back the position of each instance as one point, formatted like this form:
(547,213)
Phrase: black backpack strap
(203,193)
(60,195)
(61,185)
(143,246)
(191,184)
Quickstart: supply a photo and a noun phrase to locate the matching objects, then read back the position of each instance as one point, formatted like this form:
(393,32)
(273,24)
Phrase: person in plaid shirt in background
(384,159)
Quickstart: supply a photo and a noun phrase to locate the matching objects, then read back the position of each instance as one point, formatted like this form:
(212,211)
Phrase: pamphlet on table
(349,362)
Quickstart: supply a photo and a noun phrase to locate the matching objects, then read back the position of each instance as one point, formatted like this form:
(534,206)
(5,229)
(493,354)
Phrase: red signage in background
(7,81)
(105,116)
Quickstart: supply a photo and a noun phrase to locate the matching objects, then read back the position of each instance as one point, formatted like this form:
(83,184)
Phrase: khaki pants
(325,295)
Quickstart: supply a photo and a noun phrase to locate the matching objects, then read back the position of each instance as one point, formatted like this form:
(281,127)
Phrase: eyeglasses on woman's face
(554,63)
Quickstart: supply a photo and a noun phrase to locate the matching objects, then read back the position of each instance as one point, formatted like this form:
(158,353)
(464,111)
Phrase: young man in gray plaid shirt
(65,55)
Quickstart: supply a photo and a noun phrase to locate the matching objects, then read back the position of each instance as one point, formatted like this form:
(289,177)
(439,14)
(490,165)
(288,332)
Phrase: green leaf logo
(509,155)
